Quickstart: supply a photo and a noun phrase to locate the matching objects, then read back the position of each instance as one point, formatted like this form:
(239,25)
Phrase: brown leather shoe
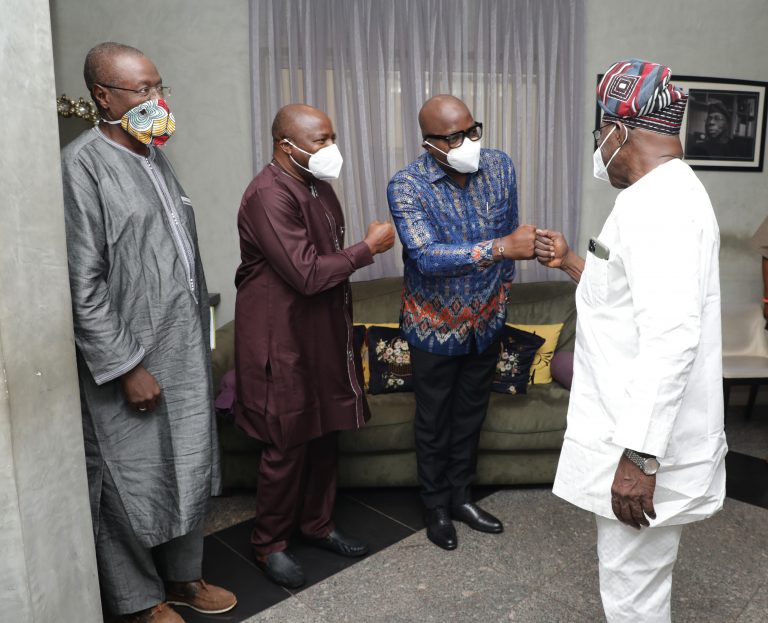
(160,613)
(200,596)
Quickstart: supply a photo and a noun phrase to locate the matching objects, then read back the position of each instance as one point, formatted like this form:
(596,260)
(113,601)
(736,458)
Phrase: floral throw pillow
(516,355)
(389,361)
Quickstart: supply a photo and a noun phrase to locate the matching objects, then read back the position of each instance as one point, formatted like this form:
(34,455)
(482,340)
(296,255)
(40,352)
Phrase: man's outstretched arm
(552,251)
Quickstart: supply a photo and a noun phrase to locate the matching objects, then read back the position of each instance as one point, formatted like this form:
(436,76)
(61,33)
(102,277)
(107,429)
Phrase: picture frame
(724,123)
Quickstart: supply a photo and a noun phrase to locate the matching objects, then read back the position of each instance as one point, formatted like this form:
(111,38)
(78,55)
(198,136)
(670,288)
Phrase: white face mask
(599,168)
(465,158)
(324,164)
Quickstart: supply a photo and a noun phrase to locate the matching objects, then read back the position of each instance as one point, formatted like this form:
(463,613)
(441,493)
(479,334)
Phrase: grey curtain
(370,64)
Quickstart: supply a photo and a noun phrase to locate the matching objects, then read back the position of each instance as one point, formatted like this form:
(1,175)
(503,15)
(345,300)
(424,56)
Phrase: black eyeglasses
(596,133)
(474,133)
(160,90)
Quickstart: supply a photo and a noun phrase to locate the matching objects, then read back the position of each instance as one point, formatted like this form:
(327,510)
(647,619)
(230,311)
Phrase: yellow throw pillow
(540,371)
(364,351)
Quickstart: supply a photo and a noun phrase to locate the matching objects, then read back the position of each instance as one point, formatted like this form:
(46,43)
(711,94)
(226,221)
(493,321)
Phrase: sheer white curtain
(370,64)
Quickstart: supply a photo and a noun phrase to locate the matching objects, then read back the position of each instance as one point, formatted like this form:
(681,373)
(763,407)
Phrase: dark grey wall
(47,564)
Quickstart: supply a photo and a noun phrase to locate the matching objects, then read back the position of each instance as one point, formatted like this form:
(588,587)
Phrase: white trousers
(636,571)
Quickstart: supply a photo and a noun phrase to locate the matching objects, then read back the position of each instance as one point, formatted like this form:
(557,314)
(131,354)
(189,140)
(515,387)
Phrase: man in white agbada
(644,443)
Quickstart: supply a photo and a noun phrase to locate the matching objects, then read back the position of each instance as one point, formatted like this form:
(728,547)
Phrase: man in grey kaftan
(140,304)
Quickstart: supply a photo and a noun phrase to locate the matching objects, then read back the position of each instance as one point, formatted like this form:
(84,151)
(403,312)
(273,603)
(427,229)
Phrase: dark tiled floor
(746,465)
(381,517)
(747,479)
(224,567)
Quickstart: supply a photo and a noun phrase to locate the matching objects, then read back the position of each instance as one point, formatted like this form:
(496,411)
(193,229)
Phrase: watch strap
(637,459)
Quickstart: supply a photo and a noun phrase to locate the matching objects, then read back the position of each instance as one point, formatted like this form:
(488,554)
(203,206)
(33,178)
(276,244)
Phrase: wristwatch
(648,465)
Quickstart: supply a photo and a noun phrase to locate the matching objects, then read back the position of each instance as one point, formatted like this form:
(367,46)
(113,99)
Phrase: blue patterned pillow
(513,369)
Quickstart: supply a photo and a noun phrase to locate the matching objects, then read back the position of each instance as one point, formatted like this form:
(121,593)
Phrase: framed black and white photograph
(724,123)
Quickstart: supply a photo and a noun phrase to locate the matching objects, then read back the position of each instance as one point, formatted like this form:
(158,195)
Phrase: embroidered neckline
(117,145)
(309,185)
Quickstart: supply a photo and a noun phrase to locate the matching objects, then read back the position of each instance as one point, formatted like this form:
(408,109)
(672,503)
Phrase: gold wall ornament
(67,107)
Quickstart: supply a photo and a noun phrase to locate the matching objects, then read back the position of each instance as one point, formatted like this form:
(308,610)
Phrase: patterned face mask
(150,122)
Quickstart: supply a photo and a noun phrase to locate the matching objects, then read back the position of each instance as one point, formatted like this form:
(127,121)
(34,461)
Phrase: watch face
(651,467)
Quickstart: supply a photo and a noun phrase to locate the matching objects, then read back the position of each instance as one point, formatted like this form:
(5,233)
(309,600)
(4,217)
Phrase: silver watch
(648,465)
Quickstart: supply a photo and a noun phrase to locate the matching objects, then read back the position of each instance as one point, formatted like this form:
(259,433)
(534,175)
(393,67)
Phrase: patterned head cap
(638,94)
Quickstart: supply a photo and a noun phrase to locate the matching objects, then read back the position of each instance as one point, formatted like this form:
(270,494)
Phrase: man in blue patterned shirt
(455,210)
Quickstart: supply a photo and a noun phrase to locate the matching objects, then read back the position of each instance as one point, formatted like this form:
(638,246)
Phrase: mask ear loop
(285,140)
(445,153)
(426,142)
(626,138)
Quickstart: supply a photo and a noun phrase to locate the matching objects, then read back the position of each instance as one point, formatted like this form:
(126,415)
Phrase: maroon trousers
(297,488)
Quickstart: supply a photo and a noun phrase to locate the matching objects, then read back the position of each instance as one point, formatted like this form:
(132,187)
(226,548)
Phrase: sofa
(520,440)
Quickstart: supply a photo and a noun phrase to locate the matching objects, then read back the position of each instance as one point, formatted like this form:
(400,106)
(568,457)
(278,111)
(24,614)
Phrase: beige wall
(696,38)
(201,49)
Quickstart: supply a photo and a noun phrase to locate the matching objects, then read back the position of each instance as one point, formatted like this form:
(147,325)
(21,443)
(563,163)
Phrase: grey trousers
(131,575)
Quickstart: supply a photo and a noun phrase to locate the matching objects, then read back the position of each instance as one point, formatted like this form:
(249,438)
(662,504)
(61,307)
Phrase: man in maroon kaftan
(298,383)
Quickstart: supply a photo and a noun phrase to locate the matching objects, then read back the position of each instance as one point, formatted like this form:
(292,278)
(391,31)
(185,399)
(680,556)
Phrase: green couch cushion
(377,300)
(398,469)
(534,421)
(389,429)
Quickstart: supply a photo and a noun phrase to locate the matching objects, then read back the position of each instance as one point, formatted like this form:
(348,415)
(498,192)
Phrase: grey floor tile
(756,610)
(289,611)
(577,586)
(722,562)
(540,608)
(543,568)
(416,581)
(542,534)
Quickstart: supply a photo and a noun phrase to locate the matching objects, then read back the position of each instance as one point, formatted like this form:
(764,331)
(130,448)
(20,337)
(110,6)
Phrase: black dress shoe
(282,569)
(340,544)
(476,518)
(440,528)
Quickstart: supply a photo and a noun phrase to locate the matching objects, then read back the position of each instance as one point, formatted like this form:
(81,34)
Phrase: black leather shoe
(340,544)
(282,569)
(476,518)
(440,528)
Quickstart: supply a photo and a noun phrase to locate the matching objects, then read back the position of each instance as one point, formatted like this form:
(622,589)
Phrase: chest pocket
(492,214)
(595,279)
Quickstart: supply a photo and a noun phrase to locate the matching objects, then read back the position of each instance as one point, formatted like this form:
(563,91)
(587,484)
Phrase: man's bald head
(444,114)
(100,62)
(307,131)
(296,120)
